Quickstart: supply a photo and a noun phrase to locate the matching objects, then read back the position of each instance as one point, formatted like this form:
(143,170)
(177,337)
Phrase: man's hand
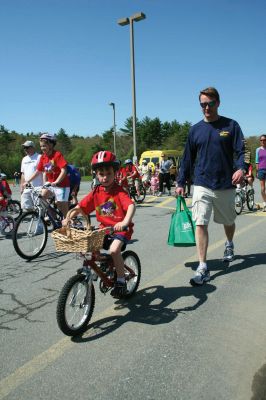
(238,177)
(179,191)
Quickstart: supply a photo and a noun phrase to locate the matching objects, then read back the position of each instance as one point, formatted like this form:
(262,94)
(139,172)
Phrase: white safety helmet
(49,137)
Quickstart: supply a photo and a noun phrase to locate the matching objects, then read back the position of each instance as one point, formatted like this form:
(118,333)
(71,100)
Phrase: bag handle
(181,202)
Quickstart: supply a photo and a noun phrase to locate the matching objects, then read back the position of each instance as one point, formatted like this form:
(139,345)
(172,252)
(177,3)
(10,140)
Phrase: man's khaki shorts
(220,201)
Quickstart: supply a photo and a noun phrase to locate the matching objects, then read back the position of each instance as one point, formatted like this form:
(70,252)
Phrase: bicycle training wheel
(250,199)
(132,271)
(14,208)
(75,305)
(238,203)
(139,198)
(30,235)
(9,226)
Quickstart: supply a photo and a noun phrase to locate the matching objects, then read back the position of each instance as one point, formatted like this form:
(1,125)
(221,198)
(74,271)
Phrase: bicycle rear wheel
(14,208)
(75,305)
(250,199)
(30,235)
(139,198)
(132,271)
(238,203)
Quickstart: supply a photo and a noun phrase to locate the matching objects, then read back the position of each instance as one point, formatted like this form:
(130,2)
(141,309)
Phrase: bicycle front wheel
(238,203)
(30,235)
(250,199)
(14,208)
(75,305)
(132,271)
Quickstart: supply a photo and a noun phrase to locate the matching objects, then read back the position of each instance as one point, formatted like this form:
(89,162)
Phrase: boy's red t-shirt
(110,206)
(52,166)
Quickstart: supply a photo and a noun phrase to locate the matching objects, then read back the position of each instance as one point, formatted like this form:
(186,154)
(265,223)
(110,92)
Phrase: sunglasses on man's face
(263,140)
(208,103)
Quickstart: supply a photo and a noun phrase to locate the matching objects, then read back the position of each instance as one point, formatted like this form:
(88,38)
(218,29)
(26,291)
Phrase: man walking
(28,167)
(164,175)
(215,145)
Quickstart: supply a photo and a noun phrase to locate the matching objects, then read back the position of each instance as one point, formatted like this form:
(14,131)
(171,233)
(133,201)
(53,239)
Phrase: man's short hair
(211,92)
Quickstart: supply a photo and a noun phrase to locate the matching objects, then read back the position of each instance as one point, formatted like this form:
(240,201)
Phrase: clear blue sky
(63,61)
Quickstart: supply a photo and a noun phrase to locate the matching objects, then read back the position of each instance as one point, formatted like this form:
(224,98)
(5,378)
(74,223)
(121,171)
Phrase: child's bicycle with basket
(77,298)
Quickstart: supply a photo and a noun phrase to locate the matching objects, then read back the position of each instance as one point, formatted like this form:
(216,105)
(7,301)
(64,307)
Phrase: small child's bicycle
(77,298)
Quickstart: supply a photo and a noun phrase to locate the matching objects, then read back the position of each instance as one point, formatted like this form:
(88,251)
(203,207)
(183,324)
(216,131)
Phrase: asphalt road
(169,341)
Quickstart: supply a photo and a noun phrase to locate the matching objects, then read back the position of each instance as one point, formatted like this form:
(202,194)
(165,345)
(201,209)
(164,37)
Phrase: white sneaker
(202,275)
(159,194)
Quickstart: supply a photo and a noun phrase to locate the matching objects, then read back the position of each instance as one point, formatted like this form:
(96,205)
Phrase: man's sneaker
(169,193)
(264,209)
(202,275)
(119,290)
(159,194)
(228,254)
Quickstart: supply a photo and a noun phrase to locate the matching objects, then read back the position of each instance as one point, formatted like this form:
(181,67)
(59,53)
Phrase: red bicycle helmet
(104,159)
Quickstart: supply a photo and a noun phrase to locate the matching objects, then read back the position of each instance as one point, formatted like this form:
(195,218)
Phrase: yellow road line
(41,361)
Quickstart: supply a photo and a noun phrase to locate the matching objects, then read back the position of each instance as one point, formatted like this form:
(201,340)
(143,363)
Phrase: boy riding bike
(113,208)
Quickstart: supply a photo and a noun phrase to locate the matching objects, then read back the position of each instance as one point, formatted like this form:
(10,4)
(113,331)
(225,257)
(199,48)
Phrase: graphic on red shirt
(110,207)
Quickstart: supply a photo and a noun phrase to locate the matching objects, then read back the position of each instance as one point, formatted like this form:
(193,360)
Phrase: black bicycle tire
(15,240)
(250,193)
(17,202)
(61,305)
(238,196)
(130,253)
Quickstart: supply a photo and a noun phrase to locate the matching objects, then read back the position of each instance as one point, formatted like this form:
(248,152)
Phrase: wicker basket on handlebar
(73,240)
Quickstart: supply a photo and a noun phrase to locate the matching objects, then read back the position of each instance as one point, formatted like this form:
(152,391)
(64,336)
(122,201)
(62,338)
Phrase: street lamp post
(125,21)
(113,105)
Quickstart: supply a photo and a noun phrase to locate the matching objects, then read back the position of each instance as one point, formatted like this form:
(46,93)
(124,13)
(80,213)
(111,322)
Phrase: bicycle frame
(41,205)
(90,264)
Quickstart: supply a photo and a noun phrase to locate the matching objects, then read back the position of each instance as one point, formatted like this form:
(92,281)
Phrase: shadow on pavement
(239,263)
(148,306)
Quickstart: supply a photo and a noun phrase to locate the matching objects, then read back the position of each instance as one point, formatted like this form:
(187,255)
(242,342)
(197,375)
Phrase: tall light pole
(125,21)
(113,105)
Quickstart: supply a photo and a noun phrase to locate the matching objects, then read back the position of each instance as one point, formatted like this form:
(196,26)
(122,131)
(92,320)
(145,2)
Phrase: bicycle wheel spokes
(132,271)
(14,208)
(77,305)
(30,235)
(238,203)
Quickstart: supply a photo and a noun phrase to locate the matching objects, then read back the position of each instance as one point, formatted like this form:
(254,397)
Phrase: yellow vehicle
(155,156)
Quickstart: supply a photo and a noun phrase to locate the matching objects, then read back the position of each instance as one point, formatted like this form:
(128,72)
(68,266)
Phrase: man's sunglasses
(263,140)
(208,103)
(26,147)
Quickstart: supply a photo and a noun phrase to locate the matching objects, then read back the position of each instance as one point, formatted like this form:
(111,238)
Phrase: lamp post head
(123,21)
(138,17)
(112,104)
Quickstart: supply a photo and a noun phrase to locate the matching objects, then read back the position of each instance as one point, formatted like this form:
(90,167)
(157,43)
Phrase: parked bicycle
(244,194)
(77,298)
(31,229)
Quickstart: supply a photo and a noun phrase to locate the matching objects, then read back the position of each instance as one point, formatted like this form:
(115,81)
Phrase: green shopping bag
(182,227)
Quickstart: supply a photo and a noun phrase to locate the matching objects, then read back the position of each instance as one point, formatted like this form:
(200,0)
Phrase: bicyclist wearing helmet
(130,175)
(54,167)
(113,208)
